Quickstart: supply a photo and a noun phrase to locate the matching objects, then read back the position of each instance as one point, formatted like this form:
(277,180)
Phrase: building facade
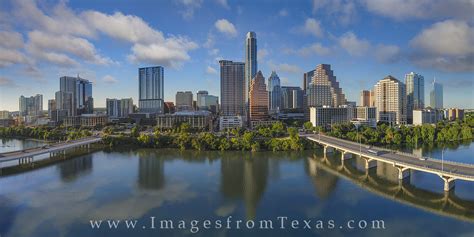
(430,116)
(31,106)
(365,98)
(454,113)
(291,97)
(327,116)
(119,108)
(258,96)
(184,101)
(390,100)
(195,119)
(250,61)
(415,86)
(151,89)
(274,93)
(436,95)
(233,88)
(230,122)
(324,89)
(85,120)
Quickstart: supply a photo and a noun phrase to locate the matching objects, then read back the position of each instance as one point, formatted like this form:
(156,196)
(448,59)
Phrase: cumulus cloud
(189,6)
(353,45)
(315,48)
(283,12)
(421,9)
(226,27)
(445,45)
(284,67)
(11,40)
(210,70)
(7,82)
(109,79)
(387,53)
(224,4)
(9,57)
(262,53)
(312,27)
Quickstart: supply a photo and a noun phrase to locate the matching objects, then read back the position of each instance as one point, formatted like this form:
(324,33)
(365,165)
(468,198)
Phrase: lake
(149,185)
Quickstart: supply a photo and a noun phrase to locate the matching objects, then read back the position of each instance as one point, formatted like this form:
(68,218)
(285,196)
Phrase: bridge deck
(15,155)
(448,169)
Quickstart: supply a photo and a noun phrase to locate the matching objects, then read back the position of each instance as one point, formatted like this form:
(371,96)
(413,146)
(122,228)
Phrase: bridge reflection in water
(383,181)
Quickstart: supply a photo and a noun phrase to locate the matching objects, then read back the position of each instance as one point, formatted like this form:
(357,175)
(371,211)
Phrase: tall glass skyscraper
(415,85)
(151,89)
(436,95)
(274,93)
(75,96)
(250,61)
(232,88)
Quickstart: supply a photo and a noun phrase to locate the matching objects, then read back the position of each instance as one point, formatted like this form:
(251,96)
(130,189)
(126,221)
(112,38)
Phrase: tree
(308,126)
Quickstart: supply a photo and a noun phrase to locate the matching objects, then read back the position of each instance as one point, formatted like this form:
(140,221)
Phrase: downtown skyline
(107,46)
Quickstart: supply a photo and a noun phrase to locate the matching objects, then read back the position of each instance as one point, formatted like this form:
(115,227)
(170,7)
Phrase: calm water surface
(59,200)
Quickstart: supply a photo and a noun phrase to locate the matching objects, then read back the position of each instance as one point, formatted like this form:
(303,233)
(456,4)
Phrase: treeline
(44,132)
(383,134)
(274,138)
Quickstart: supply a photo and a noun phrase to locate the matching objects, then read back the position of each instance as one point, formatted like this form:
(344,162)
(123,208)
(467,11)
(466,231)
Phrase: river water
(150,185)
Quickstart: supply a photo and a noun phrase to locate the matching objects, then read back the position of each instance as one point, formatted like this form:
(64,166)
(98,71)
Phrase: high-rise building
(258,96)
(119,108)
(291,97)
(324,89)
(184,101)
(365,98)
(75,94)
(250,61)
(233,88)
(415,85)
(199,98)
(207,102)
(390,100)
(431,116)
(151,89)
(326,116)
(274,93)
(51,107)
(372,98)
(436,95)
(31,106)
(4,114)
(307,76)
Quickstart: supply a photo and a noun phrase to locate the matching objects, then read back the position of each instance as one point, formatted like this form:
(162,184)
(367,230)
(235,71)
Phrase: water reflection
(245,178)
(324,182)
(151,171)
(69,170)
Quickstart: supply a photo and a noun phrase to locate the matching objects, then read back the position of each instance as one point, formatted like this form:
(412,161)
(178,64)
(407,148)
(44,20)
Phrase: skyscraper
(274,93)
(436,95)
(324,89)
(31,106)
(199,98)
(119,108)
(365,98)
(307,76)
(258,96)
(75,96)
(390,100)
(184,101)
(151,89)
(233,88)
(291,97)
(250,61)
(415,85)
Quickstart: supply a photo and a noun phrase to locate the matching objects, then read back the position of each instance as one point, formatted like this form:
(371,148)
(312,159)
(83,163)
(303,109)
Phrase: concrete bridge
(26,156)
(448,171)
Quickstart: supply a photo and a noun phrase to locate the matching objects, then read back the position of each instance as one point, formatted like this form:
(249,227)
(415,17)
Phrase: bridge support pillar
(403,173)
(328,149)
(346,155)
(370,163)
(448,183)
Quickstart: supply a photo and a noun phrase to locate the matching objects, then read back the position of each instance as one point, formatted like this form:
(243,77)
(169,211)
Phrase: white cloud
(9,57)
(284,67)
(224,4)
(262,53)
(353,45)
(109,79)
(422,9)
(387,53)
(7,82)
(446,45)
(213,52)
(189,6)
(283,12)
(210,70)
(315,48)
(343,11)
(170,53)
(224,26)
(312,27)
(11,40)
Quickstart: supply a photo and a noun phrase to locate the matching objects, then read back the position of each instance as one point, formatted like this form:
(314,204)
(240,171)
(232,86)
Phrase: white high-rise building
(436,95)
(390,100)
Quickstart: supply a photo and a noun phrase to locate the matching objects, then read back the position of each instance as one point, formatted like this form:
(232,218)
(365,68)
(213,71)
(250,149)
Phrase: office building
(233,88)
(324,89)
(258,96)
(51,107)
(274,93)
(230,122)
(307,77)
(250,61)
(31,106)
(390,101)
(169,108)
(151,89)
(291,97)
(119,108)
(195,119)
(365,98)
(364,115)
(4,114)
(429,116)
(436,95)
(325,116)
(454,113)
(85,120)
(184,101)
(415,86)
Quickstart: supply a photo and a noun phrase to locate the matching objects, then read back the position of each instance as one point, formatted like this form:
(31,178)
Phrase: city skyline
(37,50)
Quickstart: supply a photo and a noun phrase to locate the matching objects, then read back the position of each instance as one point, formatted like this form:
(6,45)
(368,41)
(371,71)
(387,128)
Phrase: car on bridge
(375,152)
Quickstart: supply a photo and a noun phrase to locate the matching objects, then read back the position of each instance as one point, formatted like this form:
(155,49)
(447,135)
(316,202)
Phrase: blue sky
(106,42)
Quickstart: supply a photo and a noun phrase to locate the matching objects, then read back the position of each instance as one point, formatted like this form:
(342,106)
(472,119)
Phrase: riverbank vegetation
(44,132)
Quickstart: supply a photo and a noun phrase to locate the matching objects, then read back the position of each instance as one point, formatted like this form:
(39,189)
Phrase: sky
(106,42)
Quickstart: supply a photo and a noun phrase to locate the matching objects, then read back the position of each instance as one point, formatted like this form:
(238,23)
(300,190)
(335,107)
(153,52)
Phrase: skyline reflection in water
(171,184)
